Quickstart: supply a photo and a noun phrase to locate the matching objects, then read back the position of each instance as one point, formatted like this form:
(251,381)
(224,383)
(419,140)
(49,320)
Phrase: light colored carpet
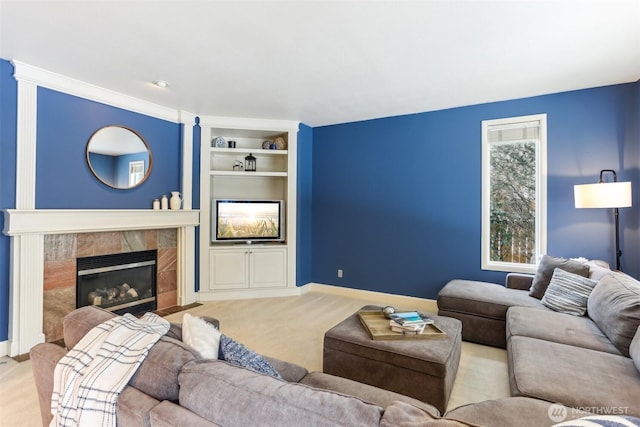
(292,329)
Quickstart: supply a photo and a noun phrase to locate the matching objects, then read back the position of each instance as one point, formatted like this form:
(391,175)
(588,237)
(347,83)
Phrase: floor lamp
(605,195)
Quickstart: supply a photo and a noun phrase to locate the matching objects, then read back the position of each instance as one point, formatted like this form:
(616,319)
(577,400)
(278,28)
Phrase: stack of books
(409,322)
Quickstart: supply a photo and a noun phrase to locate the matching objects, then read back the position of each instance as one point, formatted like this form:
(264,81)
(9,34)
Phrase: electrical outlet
(339,273)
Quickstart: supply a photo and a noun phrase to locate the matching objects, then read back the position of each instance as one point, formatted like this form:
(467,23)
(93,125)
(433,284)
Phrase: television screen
(246,220)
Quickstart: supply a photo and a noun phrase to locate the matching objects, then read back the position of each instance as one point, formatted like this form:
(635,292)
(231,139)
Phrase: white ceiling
(327,62)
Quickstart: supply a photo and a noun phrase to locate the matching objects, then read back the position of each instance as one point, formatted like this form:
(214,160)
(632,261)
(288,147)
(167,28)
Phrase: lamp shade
(603,195)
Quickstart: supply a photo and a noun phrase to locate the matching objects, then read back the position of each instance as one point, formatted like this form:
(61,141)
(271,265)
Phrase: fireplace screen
(121,283)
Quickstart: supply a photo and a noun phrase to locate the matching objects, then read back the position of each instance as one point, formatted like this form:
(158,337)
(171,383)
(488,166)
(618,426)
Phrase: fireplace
(121,283)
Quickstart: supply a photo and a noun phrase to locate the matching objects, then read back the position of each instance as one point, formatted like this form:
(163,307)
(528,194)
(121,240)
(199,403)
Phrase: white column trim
(27,297)
(26,145)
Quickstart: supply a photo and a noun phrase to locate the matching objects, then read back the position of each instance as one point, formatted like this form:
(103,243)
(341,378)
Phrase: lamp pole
(616,215)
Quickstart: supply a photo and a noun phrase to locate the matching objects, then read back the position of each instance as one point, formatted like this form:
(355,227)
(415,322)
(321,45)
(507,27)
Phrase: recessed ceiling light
(161,83)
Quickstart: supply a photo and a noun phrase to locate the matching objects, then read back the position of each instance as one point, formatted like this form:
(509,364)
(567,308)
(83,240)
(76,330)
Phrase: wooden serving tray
(377,326)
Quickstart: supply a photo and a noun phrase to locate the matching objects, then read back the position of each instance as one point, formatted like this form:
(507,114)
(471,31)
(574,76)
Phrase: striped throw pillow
(568,293)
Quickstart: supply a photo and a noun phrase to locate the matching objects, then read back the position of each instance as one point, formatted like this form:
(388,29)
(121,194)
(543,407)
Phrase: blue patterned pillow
(568,293)
(237,354)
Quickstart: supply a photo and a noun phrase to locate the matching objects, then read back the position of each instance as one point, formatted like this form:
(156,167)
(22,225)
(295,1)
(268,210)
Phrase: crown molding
(44,78)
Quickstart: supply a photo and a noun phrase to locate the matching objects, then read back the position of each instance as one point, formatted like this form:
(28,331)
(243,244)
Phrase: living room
(392,200)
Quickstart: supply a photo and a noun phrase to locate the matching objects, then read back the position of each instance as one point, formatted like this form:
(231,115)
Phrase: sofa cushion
(568,293)
(363,391)
(614,305)
(545,271)
(483,299)
(573,376)
(80,321)
(634,349)
(233,396)
(557,327)
(512,411)
(403,414)
(598,269)
(158,374)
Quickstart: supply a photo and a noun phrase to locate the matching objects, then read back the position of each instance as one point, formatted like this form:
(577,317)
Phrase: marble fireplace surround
(28,229)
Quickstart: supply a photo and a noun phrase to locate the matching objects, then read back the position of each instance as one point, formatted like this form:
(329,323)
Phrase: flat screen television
(247,220)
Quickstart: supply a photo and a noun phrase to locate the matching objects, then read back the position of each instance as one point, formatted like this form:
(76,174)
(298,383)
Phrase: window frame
(541,195)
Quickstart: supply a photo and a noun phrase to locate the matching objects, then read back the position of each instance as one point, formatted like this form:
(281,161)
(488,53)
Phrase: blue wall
(397,201)
(63,179)
(8,117)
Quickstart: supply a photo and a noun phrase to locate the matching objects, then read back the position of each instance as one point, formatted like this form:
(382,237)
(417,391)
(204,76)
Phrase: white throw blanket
(89,378)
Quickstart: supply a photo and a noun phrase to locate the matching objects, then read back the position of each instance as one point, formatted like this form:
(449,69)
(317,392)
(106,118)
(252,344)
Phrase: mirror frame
(146,145)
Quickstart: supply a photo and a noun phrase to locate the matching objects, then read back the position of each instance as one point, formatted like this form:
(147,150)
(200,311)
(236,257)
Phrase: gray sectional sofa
(591,362)
(175,387)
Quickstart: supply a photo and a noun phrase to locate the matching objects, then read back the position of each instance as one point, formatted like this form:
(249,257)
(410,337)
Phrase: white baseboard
(247,294)
(4,348)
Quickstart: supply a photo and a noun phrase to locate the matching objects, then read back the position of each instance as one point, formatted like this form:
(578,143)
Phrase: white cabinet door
(268,268)
(228,269)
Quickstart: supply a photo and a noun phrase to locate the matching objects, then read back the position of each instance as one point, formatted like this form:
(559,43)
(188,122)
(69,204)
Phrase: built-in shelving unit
(241,270)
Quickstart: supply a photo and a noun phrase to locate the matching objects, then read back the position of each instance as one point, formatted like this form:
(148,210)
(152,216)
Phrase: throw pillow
(634,349)
(237,354)
(200,335)
(545,272)
(568,293)
(614,305)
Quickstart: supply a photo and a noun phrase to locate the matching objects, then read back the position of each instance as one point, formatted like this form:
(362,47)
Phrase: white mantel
(62,221)
(27,229)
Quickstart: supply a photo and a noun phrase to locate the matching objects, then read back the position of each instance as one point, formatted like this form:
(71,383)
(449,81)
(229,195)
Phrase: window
(136,172)
(514,193)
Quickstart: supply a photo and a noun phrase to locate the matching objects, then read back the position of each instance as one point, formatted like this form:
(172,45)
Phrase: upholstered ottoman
(420,368)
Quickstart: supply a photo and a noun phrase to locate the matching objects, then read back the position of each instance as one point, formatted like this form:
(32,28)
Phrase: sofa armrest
(44,358)
(167,414)
(520,281)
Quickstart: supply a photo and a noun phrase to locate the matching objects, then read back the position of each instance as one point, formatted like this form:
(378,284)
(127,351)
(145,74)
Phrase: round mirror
(119,157)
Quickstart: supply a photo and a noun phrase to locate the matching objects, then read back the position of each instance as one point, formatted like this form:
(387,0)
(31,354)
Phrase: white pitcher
(175,201)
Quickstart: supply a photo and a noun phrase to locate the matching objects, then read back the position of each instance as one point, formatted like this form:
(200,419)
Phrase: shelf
(254,151)
(235,173)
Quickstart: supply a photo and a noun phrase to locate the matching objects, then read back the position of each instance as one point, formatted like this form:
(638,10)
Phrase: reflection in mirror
(119,157)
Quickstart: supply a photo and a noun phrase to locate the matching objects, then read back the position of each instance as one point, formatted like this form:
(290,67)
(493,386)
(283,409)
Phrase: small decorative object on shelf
(219,142)
(266,144)
(164,202)
(156,204)
(176,200)
(281,144)
(250,163)
(232,144)
(238,166)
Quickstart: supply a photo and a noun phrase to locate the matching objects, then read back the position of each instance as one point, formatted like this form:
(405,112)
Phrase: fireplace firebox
(121,283)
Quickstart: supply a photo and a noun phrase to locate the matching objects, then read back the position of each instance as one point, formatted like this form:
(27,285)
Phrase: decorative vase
(175,201)
(164,202)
